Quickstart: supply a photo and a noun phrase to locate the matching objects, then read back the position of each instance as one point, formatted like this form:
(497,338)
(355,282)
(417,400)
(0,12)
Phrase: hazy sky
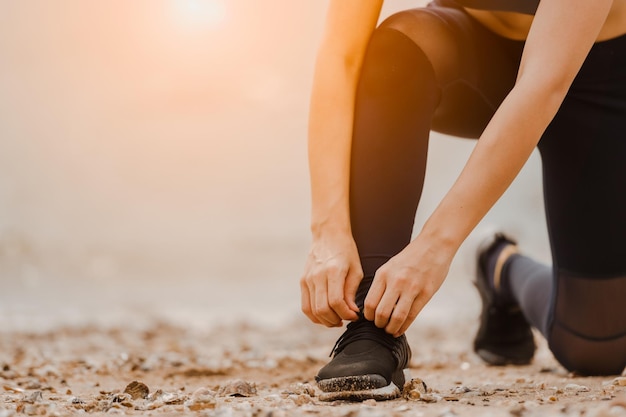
(117,116)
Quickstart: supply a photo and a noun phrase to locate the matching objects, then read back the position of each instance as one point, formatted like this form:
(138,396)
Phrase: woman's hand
(331,278)
(403,286)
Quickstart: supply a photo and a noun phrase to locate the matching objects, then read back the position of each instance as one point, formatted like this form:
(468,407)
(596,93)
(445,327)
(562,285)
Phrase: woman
(515,74)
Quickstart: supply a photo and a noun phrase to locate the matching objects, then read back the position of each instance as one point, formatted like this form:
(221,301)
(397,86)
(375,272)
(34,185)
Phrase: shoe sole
(494,359)
(360,388)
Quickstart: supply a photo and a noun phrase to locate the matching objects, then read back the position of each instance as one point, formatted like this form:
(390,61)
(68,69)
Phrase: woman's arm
(562,33)
(333,270)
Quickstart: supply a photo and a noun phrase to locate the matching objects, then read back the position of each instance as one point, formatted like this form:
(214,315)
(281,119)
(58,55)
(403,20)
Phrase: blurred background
(153,164)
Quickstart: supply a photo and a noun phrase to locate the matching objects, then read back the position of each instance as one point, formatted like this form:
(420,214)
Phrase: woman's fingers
(351,286)
(395,299)
(399,314)
(306,301)
(336,294)
(374,295)
(418,305)
(321,306)
(386,306)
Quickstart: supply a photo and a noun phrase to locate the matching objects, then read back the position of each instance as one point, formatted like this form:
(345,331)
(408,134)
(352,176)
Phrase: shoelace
(366,330)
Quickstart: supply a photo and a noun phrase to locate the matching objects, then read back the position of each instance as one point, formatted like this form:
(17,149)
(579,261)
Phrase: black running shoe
(368,363)
(504,336)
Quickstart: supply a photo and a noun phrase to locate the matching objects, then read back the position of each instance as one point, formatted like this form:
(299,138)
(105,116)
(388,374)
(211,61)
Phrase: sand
(250,369)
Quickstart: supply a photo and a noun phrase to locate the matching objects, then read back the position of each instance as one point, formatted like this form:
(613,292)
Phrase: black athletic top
(520,6)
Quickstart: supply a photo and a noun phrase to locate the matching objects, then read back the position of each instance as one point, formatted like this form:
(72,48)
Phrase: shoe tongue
(360,346)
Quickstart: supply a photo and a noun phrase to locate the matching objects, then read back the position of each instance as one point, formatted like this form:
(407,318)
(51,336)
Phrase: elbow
(552,80)
(548,89)
(340,56)
(344,63)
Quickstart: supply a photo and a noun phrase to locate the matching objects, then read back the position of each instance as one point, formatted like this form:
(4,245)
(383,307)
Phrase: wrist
(323,228)
(442,241)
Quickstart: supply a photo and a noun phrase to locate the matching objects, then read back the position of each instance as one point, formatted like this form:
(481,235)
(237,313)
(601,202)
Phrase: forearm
(499,155)
(330,133)
(348,28)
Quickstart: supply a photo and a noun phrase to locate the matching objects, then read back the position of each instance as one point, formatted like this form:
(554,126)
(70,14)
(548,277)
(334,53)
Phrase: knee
(394,65)
(431,35)
(416,24)
(395,57)
(587,356)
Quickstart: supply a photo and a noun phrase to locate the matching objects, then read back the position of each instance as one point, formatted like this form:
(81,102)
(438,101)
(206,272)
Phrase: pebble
(203,394)
(576,388)
(620,381)
(300,399)
(35,397)
(430,398)
(238,388)
(202,399)
(137,390)
(415,389)
(460,390)
(121,398)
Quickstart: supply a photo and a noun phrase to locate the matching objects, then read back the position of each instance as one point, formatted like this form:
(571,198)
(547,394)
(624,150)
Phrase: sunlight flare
(200,14)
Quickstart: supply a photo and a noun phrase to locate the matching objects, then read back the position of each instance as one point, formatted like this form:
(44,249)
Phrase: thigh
(584,165)
(475,68)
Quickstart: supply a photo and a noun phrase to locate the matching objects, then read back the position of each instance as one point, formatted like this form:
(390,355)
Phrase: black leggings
(437,68)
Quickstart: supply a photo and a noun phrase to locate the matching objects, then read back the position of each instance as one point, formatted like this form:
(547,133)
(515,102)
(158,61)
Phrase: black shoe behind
(504,336)
(367,363)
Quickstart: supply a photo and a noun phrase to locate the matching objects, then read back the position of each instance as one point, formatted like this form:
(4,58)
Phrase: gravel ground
(248,369)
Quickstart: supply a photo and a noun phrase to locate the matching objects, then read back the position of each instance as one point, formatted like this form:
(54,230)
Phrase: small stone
(414,389)
(429,398)
(620,381)
(172,398)
(202,399)
(137,390)
(371,402)
(203,394)
(460,390)
(33,398)
(123,399)
(238,388)
(576,388)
